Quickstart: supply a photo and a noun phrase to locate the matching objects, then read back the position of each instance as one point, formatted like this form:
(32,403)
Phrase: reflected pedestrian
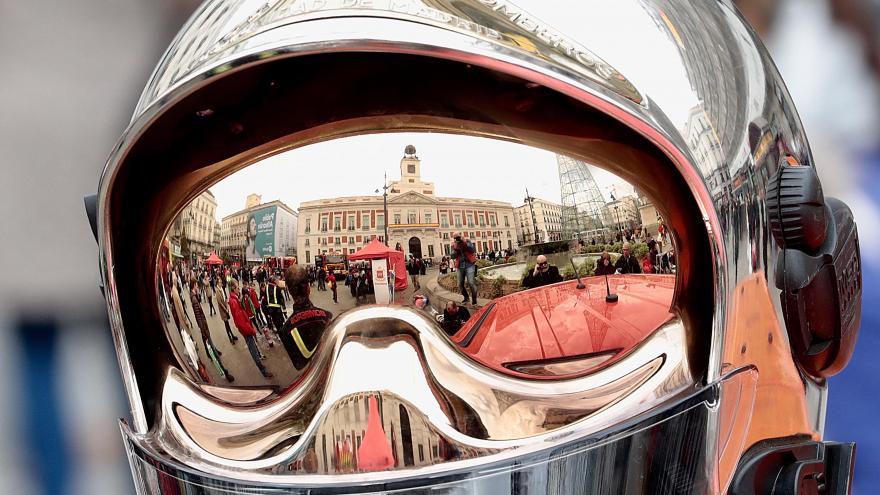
(604,266)
(210,349)
(245,327)
(464,254)
(331,279)
(302,331)
(223,310)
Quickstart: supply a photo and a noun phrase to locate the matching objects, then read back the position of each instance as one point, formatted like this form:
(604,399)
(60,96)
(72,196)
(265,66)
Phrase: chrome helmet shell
(678,97)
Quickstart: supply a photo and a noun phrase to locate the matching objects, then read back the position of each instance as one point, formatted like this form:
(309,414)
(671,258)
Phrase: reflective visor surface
(665,453)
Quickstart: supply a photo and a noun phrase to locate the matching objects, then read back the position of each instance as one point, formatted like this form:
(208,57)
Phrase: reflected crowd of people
(268,307)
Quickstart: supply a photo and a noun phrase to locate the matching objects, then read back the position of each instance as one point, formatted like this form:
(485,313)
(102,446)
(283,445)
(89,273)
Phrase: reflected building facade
(709,122)
(622,213)
(277,223)
(419,221)
(192,234)
(547,219)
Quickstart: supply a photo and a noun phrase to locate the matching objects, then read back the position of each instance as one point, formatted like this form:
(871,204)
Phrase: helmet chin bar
(399,357)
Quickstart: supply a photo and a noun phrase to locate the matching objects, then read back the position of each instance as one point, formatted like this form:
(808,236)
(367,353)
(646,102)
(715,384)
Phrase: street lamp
(529,200)
(385,206)
(616,213)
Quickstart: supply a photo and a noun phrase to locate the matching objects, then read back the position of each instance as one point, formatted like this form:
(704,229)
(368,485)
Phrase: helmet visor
(666,452)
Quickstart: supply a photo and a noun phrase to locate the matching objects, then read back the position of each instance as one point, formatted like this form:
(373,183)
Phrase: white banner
(380,281)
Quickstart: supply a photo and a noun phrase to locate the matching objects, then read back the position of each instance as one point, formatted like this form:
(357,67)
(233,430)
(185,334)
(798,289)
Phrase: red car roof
(561,323)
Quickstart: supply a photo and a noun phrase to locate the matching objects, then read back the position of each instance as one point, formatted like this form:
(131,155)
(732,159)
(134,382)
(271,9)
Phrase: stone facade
(421,223)
(548,218)
(196,225)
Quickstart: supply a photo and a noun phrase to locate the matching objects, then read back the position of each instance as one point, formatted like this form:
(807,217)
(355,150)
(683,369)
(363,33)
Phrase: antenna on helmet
(612,298)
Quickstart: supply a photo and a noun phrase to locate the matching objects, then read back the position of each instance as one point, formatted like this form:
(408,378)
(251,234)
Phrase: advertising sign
(260,238)
(380,281)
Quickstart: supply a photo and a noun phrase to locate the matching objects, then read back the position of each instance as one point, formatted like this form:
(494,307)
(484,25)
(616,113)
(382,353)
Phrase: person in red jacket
(331,279)
(242,321)
(257,317)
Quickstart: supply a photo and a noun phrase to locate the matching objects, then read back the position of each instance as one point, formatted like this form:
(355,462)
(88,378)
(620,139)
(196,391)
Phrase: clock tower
(411,175)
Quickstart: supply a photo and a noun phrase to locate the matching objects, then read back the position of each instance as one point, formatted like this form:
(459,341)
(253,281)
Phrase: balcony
(414,225)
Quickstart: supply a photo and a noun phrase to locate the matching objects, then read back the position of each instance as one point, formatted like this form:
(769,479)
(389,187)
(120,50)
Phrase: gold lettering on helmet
(524,31)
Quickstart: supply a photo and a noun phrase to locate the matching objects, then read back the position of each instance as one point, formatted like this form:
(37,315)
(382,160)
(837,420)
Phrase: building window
(458,220)
(307,242)
(431,250)
(308,257)
(470,220)
(446,249)
(351,222)
(444,221)
(411,169)
(337,224)
(351,240)
(324,224)
(421,453)
(365,222)
(397,219)
(506,221)
(380,221)
(482,221)
(428,217)
(446,236)
(351,251)
(412,180)
(411,218)
(337,241)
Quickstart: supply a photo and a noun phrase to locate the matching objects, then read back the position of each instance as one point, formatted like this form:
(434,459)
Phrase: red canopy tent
(375,453)
(214,259)
(375,250)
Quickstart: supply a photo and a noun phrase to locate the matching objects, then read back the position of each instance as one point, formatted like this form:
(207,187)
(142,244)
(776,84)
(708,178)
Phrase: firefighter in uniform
(302,331)
(275,303)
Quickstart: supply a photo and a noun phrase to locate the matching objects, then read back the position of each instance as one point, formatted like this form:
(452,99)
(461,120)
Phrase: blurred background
(73,72)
